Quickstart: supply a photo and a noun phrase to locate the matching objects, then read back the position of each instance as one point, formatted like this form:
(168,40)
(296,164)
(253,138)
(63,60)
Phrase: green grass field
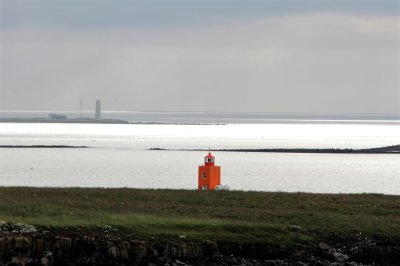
(288,219)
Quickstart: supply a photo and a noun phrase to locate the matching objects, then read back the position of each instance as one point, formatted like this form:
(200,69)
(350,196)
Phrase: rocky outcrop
(84,250)
(59,250)
(23,245)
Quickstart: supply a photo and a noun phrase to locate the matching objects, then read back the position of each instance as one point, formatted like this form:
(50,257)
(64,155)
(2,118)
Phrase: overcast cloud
(268,56)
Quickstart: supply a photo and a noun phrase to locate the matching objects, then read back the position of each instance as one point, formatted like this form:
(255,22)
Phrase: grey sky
(325,56)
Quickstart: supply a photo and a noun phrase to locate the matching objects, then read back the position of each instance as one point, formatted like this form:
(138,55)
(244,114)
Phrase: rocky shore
(93,226)
(22,244)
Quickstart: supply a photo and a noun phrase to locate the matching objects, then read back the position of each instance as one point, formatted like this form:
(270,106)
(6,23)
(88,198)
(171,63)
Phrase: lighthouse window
(203,176)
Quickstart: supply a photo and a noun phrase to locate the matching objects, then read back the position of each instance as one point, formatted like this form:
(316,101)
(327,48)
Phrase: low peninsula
(66,120)
(394,149)
(44,146)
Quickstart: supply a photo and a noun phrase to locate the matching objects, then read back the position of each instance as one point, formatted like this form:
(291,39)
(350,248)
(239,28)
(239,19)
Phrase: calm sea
(119,157)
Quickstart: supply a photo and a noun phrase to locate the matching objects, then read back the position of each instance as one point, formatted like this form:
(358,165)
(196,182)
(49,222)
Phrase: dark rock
(44,262)
(210,249)
(139,249)
(340,257)
(65,244)
(324,246)
(178,262)
(173,250)
(124,249)
(112,250)
(21,242)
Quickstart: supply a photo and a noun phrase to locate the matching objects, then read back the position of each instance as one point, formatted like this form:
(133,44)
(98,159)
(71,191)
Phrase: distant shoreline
(395,149)
(240,121)
(66,121)
(43,146)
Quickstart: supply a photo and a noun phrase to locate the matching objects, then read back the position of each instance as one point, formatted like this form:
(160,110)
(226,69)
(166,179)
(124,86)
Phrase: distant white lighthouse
(98,110)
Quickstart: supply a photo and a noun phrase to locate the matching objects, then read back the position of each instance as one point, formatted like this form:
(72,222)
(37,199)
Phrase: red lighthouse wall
(209,177)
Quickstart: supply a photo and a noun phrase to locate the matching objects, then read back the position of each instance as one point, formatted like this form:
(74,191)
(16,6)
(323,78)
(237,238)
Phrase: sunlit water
(119,156)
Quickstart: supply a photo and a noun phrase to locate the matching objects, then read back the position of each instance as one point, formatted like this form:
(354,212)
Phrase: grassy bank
(288,219)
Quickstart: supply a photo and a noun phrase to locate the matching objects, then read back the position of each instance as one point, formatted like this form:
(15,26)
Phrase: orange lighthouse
(209,174)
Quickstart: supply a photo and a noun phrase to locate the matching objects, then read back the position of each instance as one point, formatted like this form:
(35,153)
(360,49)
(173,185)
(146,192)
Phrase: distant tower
(98,110)
(209,174)
(81,106)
